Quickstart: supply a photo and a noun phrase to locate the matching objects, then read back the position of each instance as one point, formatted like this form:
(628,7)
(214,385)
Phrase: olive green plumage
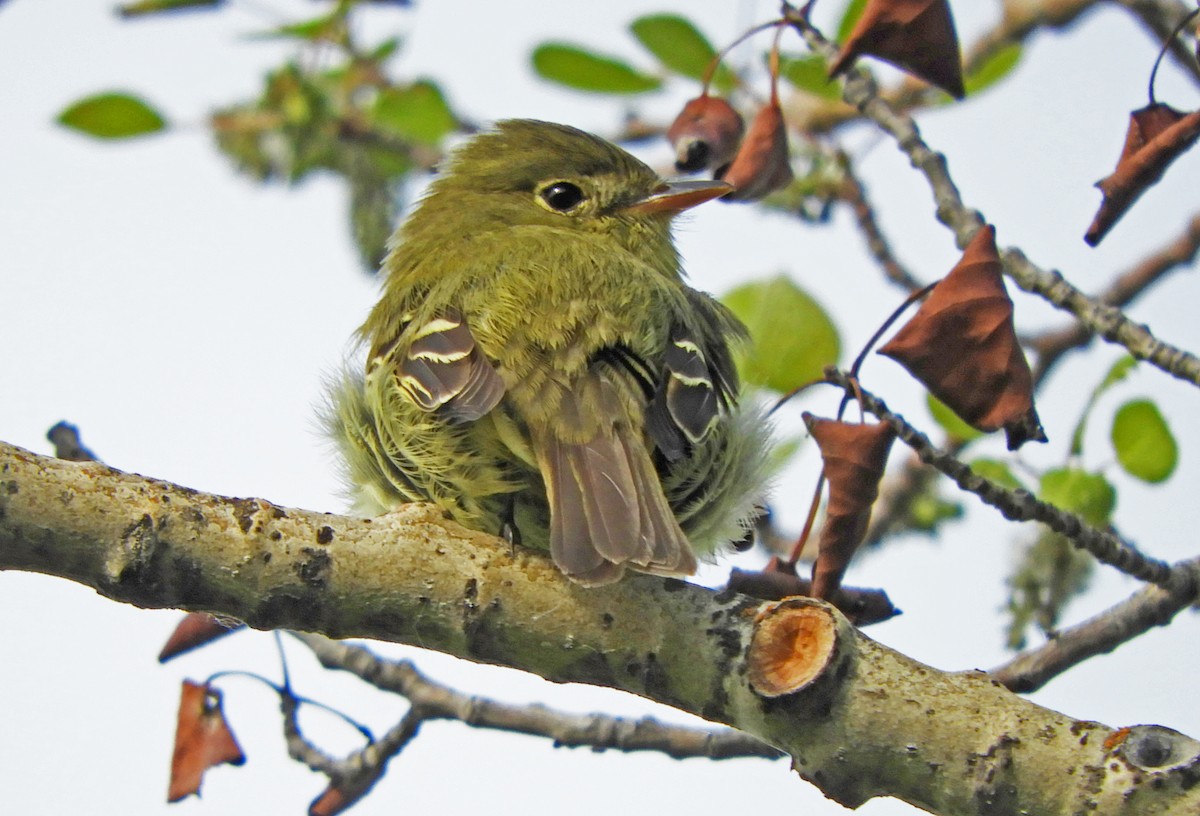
(536,363)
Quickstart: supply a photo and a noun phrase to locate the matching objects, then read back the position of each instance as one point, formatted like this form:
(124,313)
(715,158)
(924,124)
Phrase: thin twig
(1100,634)
(353,776)
(1181,252)
(68,444)
(596,731)
(862,606)
(1099,318)
(298,746)
(1107,321)
(1020,20)
(854,194)
(1020,505)
(1162,18)
(893,510)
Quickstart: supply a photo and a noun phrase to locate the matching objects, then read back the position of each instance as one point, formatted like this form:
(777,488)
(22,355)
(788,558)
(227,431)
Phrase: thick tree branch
(866,722)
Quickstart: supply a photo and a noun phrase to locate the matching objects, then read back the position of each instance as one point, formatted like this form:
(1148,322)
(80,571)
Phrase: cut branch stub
(795,641)
(761,166)
(916,36)
(705,134)
(855,456)
(202,740)
(962,346)
(1158,134)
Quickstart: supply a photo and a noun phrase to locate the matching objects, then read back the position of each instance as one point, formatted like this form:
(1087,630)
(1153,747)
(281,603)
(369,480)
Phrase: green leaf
(1087,494)
(809,74)
(331,27)
(587,71)
(112,116)
(928,511)
(385,49)
(854,10)
(1144,444)
(996,471)
(144,7)
(782,451)
(951,423)
(993,69)
(418,112)
(374,208)
(680,46)
(793,338)
(1116,373)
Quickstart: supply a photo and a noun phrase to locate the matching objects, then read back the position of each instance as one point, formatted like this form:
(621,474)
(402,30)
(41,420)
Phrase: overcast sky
(185,319)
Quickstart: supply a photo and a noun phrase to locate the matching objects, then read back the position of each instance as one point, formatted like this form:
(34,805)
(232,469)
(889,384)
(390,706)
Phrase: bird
(537,366)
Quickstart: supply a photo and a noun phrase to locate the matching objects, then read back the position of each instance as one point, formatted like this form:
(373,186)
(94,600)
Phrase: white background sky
(185,318)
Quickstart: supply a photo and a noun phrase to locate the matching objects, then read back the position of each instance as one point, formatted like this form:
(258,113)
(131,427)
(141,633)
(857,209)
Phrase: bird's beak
(677,196)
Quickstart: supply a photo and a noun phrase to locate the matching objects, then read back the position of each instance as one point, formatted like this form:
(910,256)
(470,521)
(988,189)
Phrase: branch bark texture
(865,722)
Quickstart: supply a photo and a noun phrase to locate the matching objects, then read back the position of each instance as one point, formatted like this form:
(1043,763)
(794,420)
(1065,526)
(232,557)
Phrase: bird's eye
(562,196)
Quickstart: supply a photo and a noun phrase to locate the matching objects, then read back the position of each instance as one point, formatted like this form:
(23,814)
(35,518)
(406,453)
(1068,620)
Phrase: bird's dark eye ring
(562,196)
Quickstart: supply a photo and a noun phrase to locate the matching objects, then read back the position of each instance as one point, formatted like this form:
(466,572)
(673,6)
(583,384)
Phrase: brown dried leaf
(855,456)
(962,346)
(202,740)
(332,801)
(761,166)
(195,630)
(916,36)
(705,134)
(347,790)
(1158,134)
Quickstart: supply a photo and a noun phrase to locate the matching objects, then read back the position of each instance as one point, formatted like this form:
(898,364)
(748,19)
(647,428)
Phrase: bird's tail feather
(607,507)
(608,512)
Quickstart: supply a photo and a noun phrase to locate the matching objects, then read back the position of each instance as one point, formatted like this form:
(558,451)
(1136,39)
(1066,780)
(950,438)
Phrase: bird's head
(526,172)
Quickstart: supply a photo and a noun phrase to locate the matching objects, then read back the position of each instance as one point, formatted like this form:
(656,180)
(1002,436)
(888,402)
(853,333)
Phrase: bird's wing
(442,368)
(697,384)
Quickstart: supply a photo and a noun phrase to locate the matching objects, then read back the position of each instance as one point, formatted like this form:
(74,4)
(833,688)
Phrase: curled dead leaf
(761,165)
(962,346)
(855,456)
(705,134)
(916,36)
(1158,134)
(195,630)
(202,740)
